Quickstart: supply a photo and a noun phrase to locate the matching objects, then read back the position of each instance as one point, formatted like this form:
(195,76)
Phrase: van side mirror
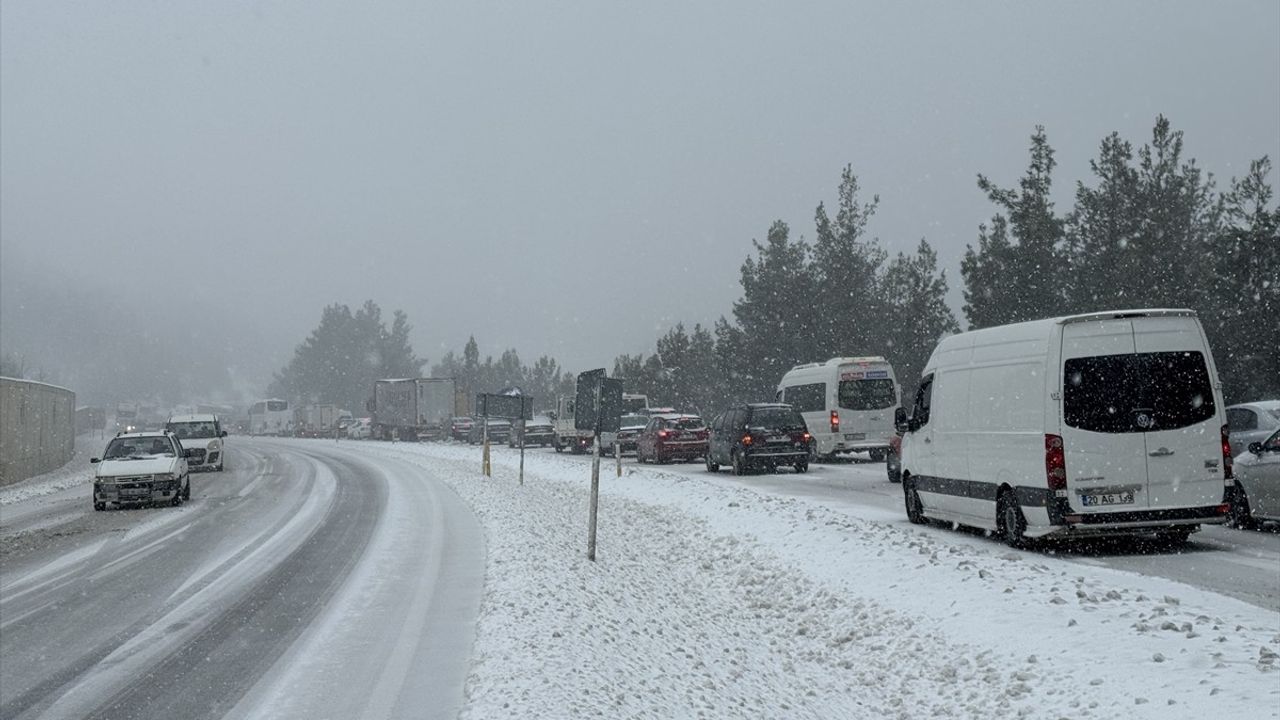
(900,422)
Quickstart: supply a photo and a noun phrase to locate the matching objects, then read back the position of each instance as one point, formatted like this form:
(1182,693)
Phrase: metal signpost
(598,408)
(509,407)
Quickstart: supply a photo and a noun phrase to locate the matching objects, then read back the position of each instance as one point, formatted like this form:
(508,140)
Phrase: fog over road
(305,581)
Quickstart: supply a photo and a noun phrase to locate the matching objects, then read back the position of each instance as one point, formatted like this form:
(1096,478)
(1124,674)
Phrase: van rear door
(1184,441)
(866,398)
(1106,454)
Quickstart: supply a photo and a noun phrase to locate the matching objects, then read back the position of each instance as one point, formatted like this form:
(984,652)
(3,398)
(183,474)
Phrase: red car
(672,436)
(460,428)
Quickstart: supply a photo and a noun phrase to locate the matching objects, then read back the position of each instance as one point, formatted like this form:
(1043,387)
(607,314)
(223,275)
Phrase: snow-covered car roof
(146,434)
(676,416)
(193,417)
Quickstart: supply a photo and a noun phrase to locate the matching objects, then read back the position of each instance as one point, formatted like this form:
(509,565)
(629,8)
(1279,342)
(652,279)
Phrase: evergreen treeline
(1150,229)
(342,357)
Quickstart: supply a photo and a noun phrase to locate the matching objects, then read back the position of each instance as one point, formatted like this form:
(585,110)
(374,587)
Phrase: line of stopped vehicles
(1092,425)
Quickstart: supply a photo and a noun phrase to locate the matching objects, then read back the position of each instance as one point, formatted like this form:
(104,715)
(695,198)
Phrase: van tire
(99,506)
(802,466)
(877,455)
(739,467)
(1010,522)
(711,465)
(1240,514)
(911,498)
(1175,536)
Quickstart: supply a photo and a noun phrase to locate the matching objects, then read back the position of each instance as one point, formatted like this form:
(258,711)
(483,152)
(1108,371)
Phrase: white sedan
(1257,495)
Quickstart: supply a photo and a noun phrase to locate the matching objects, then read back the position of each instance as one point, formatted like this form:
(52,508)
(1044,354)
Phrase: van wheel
(1010,522)
(915,509)
(712,466)
(1240,515)
(739,467)
(802,466)
(877,455)
(99,506)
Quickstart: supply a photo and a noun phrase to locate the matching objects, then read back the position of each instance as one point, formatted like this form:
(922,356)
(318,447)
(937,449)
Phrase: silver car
(1252,422)
(1257,495)
(142,468)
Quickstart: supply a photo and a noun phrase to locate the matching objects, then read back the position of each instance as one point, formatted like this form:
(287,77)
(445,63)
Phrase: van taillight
(835,421)
(1055,464)
(1228,466)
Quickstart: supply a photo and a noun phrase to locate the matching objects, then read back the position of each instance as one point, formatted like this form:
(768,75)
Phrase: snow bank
(710,600)
(77,471)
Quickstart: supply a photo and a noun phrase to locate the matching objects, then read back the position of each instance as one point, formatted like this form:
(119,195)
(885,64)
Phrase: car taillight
(835,421)
(663,434)
(1228,465)
(1055,464)
(746,439)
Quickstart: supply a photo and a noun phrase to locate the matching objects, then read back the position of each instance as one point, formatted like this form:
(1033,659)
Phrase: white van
(1107,423)
(847,403)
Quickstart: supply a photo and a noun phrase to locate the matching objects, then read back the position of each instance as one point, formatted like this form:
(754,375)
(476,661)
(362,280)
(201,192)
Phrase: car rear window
(686,423)
(1137,392)
(777,419)
(866,394)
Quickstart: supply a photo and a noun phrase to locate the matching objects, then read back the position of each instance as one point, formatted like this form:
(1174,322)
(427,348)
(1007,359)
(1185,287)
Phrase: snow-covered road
(304,582)
(318,579)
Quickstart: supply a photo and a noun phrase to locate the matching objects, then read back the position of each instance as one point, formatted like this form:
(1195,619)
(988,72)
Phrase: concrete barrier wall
(37,428)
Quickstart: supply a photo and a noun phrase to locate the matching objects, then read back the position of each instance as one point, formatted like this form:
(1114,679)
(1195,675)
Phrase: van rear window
(867,394)
(807,398)
(1137,392)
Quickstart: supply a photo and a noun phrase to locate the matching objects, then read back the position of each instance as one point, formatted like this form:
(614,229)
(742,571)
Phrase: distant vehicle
(670,437)
(634,404)
(201,436)
(848,403)
(316,420)
(893,459)
(629,428)
(127,418)
(1251,422)
(360,429)
(1257,492)
(499,430)
(270,417)
(538,431)
(1100,424)
(460,428)
(345,419)
(413,408)
(759,435)
(567,435)
(141,468)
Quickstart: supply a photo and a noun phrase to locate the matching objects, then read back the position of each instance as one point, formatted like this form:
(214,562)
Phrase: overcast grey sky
(469,163)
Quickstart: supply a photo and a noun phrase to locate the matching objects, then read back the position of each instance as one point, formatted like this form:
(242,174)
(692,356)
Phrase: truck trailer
(413,408)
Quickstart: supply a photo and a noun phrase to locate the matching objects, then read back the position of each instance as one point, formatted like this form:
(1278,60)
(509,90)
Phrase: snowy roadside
(77,471)
(718,601)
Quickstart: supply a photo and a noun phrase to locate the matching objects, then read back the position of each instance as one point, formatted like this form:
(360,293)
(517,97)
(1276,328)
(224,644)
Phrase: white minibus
(847,403)
(1098,424)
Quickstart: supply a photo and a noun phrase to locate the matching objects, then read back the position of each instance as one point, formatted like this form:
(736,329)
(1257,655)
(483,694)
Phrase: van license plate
(855,436)
(1124,498)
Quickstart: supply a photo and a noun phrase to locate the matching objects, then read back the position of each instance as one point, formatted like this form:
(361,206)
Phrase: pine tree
(916,292)
(1015,274)
(845,273)
(1103,232)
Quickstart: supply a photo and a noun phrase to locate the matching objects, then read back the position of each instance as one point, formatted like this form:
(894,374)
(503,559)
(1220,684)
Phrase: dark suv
(759,435)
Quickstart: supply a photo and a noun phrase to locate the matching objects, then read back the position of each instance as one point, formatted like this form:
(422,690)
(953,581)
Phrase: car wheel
(557,446)
(877,455)
(739,467)
(186,492)
(220,466)
(915,509)
(99,506)
(894,473)
(802,466)
(1240,515)
(712,466)
(177,499)
(1010,522)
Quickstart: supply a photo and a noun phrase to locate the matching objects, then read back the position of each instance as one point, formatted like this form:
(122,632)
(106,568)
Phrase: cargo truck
(413,408)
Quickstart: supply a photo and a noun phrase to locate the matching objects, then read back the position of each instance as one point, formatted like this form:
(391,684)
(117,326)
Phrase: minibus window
(1137,392)
(806,398)
(866,394)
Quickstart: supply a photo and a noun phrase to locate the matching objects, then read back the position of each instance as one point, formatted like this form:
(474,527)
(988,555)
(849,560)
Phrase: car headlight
(162,477)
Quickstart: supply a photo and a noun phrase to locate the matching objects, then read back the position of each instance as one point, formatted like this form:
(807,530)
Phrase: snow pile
(711,600)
